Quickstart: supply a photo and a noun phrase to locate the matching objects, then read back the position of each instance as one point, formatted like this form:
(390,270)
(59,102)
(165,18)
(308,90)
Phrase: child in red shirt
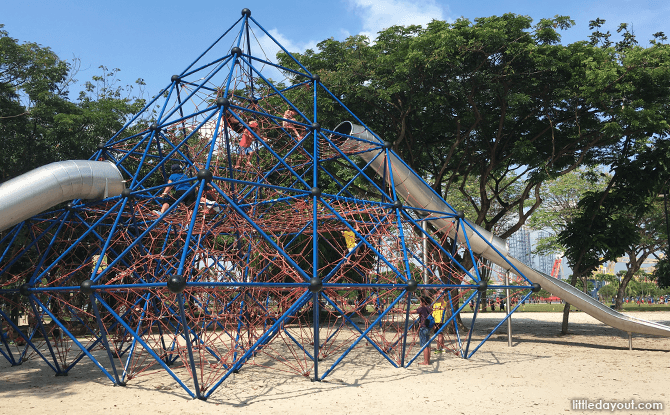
(245,144)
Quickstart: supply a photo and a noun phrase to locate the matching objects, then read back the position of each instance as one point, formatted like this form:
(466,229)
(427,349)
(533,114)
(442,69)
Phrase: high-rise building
(545,262)
(519,246)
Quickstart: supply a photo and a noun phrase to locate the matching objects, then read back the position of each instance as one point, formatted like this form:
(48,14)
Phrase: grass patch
(646,307)
(558,308)
(530,308)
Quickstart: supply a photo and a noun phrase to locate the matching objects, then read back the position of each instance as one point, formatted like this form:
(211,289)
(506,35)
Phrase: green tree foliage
(560,205)
(651,240)
(480,108)
(626,217)
(38,122)
(630,88)
(608,291)
(662,273)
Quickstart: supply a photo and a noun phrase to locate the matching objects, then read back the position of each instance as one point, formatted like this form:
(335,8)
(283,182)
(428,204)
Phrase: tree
(490,110)
(608,291)
(31,78)
(615,220)
(651,240)
(662,273)
(639,83)
(560,205)
(502,103)
(38,122)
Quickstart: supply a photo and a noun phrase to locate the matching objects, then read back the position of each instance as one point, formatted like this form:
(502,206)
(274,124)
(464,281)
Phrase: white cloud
(270,49)
(377,15)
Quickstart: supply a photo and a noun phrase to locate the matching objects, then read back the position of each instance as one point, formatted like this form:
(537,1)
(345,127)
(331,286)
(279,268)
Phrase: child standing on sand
(424,332)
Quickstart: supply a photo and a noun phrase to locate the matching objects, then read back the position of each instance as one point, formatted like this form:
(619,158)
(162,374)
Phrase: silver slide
(38,190)
(417,194)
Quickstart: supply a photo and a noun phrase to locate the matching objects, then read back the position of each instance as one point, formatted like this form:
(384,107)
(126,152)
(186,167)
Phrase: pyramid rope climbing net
(250,236)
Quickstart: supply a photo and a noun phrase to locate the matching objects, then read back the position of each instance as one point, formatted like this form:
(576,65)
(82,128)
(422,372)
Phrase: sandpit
(541,374)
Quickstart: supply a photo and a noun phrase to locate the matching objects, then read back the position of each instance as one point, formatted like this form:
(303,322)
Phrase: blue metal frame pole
(59,371)
(472,324)
(103,250)
(355,326)
(184,326)
(28,341)
(14,233)
(404,336)
(273,329)
(500,324)
(362,336)
(131,349)
(251,78)
(74,339)
(434,336)
(9,357)
(315,235)
(315,301)
(144,344)
(458,334)
(103,334)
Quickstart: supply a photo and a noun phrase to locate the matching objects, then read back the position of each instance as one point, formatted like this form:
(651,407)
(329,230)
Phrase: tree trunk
(566,308)
(622,290)
(632,267)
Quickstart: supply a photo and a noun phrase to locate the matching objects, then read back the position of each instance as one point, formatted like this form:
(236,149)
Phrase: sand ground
(541,374)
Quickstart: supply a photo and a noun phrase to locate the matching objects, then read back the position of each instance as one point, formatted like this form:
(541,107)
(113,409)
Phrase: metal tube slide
(413,190)
(417,194)
(38,190)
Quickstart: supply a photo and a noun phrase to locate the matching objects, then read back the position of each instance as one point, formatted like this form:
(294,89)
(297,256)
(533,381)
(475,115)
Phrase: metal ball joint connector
(412,286)
(86,287)
(176,283)
(315,285)
(24,290)
(222,102)
(206,175)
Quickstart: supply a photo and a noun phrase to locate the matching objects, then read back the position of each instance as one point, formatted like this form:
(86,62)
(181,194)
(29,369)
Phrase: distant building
(520,247)
(545,263)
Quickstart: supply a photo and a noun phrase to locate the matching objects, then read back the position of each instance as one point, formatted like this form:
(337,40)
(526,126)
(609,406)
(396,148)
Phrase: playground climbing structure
(289,247)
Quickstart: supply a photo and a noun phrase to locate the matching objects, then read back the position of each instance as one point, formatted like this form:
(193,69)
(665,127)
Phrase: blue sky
(154,39)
